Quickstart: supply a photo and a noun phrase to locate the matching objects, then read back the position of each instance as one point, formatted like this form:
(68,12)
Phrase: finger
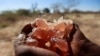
(27,29)
(33,51)
(77,39)
(22,36)
(76,33)
(20,40)
(84,46)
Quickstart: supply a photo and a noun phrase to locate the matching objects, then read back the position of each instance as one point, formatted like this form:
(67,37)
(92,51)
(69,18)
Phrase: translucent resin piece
(51,35)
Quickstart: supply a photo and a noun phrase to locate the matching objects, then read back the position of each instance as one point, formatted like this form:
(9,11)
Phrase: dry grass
(89,24)
(6,49)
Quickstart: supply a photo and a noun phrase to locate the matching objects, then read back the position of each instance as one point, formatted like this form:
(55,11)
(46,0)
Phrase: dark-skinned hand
(78,44)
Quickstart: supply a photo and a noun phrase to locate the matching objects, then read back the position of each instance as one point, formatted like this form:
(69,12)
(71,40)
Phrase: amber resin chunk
(51,35)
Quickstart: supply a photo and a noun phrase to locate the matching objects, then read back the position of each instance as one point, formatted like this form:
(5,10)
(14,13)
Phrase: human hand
(76,40)
(81,45)
(23,50)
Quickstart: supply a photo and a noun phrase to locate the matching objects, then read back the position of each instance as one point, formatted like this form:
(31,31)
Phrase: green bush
(8,15)
(21,12)
(46,10)
(37,12)
(2,25)
(76,11)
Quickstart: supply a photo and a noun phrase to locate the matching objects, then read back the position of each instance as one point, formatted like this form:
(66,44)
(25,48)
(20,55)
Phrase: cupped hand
(76,40)
(23,50)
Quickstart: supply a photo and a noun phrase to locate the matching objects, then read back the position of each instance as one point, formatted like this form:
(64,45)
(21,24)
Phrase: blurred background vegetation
(12,21)
(10,18)
(13,16)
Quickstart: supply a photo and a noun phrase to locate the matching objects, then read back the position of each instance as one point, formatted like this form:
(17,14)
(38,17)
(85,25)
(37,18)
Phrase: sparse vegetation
(23,12)
(46,10)
(8,15)
(11,22)
(3,25)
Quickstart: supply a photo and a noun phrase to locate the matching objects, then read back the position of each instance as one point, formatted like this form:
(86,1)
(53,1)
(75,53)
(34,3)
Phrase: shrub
(2,25)
(21,12)
(46,10)
(36,12)
(8,15)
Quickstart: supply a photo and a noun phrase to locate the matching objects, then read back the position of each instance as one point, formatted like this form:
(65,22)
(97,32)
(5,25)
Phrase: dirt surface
(88,23)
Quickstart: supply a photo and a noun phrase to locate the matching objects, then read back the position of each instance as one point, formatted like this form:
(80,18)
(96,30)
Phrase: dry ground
(88,23)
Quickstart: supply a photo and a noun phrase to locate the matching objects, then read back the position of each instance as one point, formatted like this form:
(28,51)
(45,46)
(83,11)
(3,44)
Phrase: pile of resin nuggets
(50,35)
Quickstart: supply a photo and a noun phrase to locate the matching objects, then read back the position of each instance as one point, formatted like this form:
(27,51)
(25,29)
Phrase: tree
(69,5)
(72,3)
(56,7)
(65,10)
(46,10)
(34,7)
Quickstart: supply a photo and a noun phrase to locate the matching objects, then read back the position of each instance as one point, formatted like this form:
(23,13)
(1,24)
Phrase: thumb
(23,50)
(77,39)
